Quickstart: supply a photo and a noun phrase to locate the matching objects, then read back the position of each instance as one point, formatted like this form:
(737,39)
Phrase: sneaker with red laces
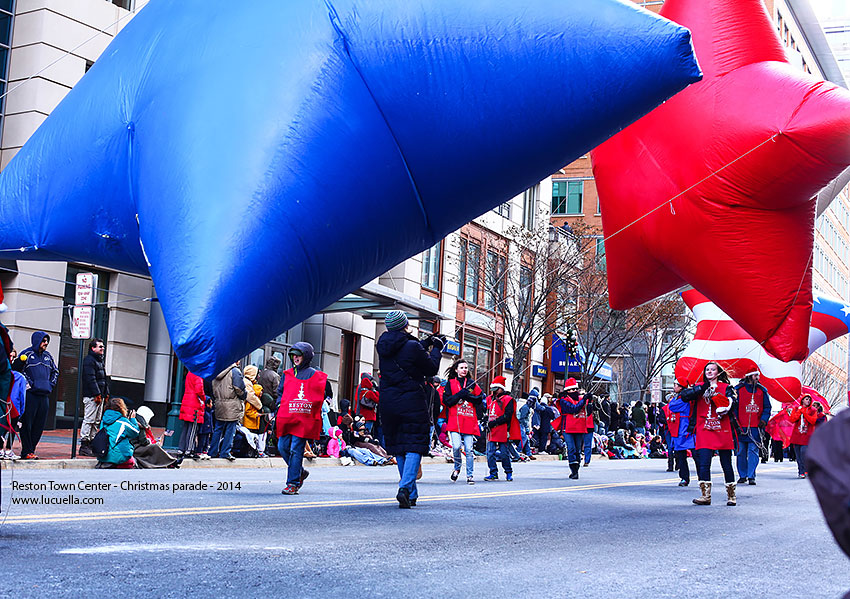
(30,456)
(290,490)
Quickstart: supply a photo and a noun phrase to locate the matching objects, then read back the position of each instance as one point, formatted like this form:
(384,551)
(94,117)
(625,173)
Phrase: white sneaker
(11,455)
(3,454)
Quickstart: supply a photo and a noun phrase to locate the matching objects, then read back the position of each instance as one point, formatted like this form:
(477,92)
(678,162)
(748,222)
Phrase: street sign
(538,371)
(81,322)
(84,292)
(655,386)
(82,317)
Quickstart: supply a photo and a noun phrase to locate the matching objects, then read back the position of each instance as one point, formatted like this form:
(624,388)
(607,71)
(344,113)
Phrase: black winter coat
(94,376)
(403,408)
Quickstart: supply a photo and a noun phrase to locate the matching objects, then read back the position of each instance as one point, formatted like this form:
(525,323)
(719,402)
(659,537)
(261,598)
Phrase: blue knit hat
(395,320)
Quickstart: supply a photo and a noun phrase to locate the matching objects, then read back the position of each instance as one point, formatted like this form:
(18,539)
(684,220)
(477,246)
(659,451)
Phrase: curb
(253,463)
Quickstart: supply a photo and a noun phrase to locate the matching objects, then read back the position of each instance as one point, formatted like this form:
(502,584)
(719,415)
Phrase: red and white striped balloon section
(719,339)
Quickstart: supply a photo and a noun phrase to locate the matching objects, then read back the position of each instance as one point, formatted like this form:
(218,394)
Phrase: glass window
(525,286)
(503,210)
(529,206)
(567,197)
(600,253)
(468,279)
(478,351)
(496,278)
(473,269)
(431,267)
(461,271)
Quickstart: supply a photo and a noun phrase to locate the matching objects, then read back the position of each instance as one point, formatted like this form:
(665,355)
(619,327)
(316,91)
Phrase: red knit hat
(499,382)
(571,383)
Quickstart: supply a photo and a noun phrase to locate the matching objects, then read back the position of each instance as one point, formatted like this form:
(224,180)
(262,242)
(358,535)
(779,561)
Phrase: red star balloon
(716,188)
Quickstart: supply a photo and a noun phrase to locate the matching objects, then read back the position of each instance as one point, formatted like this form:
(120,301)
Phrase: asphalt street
(623,530)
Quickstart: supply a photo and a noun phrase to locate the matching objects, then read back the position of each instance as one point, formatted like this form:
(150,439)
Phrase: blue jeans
(368,424)
(641,430)
(467,441)
(703,459)
(504,457)
(365,457)
(588,447)
(222,435)
(524,442)
(800,453)
(408,468)
(748,457)
(291,449)
(575,445)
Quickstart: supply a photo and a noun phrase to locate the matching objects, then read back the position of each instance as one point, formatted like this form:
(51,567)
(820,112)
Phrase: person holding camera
(462,396)
(753,414)
(714,404)
(405,362)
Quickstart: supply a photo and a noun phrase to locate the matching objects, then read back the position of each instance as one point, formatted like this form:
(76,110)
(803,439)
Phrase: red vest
(672,421)
(300,411)
(713,431)
(501,434)
(803,426)
(462,416)
(750,406)
(573,423)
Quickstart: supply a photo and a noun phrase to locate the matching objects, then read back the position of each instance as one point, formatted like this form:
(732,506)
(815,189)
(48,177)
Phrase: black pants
(32,421)
(777,449)
(187,437)
(682,460)
(703,459)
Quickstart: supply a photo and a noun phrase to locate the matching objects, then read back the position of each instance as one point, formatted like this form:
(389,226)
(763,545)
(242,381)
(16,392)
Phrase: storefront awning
(374,300)
(577,364)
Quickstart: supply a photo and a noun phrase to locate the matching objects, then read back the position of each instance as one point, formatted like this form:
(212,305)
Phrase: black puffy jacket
(403,408)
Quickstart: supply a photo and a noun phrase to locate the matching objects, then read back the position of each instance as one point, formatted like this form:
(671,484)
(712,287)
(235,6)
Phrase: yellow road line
(198,511)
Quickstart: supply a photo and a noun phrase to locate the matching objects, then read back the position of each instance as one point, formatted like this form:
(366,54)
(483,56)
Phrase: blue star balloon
(262,159)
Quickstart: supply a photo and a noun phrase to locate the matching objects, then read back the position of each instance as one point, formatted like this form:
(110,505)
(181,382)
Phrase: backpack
(100,444)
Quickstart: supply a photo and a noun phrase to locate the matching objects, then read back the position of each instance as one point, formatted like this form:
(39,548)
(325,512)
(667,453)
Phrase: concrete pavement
(623,529)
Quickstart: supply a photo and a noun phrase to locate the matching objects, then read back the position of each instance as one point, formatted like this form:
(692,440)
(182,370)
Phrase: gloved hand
(491,423)
(438,341)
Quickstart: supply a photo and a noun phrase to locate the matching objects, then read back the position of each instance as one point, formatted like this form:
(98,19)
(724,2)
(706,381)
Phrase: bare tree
(659,344)
(828,380)
(531,291)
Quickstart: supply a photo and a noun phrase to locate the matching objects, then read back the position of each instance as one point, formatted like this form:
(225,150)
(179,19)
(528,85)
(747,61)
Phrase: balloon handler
(503,426)
(573,426)
(299,417)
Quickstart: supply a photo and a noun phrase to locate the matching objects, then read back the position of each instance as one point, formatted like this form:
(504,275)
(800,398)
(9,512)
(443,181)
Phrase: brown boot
(705,489)
(731,498)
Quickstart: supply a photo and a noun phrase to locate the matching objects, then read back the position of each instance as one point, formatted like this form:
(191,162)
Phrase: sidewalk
(54,451)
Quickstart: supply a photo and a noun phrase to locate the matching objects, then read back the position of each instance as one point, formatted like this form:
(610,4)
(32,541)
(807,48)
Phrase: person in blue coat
(753,414)
(38,367)
(678,415)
